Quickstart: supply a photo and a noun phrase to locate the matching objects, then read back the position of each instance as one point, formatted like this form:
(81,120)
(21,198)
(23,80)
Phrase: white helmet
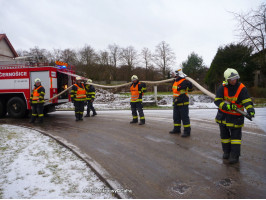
(231,74)
(134,77)
(89,81)
(78,78)
(37,80)
(180,73)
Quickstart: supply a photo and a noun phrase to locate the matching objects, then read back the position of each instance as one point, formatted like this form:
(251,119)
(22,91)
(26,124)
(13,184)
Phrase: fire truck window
(62,80)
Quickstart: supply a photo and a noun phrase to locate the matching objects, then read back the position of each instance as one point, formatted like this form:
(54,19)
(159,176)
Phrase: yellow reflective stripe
(34,115)
(142,117)
(40,115)
(235,141)
(183,104)
(42,92)
(226,140)
(183,91)
(177,124)
(188,125)
(230,98)
(249,106)
(216,99)
(221,105)
(246,100)
(135,117)
(174,87)
(91,93)
(138,100)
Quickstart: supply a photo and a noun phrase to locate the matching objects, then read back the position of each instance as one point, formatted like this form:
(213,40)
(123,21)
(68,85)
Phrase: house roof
(4,37)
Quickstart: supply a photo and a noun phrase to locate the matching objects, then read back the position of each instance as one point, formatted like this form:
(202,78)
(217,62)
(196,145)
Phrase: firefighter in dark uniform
(78,97)
(90,93)
(137,90)
(37,101)
(230,121)
(180,89)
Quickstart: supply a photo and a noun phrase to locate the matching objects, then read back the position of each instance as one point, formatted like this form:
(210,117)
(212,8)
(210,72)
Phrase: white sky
(188,25)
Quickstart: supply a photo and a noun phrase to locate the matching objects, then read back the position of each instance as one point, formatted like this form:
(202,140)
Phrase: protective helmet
(180,73)
(231,74)
(89,81)
(78,78)
(134,77)
(37,80)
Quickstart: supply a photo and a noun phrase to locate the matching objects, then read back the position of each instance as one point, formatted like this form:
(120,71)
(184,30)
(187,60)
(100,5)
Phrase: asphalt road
(154,164)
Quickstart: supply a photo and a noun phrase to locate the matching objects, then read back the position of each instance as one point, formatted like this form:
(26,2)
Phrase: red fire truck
(17,83)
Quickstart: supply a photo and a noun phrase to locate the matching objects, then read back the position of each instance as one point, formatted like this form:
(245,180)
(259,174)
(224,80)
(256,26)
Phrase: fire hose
(202,89)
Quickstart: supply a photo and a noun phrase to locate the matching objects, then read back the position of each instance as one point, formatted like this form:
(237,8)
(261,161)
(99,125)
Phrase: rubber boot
(226,155)
(142,122)
(186,133)
(176,130)
(40,120)
(134,121)
(80,116)
(32,120)
(233,159)
(77,116)
(88,115)
(94,113)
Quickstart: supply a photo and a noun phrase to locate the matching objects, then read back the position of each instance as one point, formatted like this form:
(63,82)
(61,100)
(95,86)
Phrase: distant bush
(257,92)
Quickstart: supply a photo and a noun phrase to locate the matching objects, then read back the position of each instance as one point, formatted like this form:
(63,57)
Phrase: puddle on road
(180,188)
(227,182)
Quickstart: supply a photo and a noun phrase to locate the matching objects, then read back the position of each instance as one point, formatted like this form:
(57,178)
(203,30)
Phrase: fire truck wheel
(16,107)
(2,109)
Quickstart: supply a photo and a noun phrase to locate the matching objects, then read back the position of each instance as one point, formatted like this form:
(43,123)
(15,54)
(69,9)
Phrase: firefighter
(230,121)
(180,89)
(137,90)
(37,101)
(78,97)
(90,93)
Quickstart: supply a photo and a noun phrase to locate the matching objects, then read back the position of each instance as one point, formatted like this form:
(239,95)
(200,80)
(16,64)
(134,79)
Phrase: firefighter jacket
(37,95)
(137,90)
(180,88)
(90,92)
(78,92)
(236,94)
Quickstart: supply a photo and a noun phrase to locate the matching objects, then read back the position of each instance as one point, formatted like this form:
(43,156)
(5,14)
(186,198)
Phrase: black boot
(94,113)
(175,131)
(88,115)
(40,120)
(80,116)
(142,122)
(134,121)
(186,134)
(32,120)
(226,155)
(233,159)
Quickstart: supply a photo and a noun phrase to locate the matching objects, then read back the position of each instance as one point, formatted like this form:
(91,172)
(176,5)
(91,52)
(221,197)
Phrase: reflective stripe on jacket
(233,100)
(36,96)
(176,92)
(81,92)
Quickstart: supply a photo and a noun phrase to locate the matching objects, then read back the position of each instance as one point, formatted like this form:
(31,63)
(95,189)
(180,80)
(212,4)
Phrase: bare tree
(87,55)
(128,57)
(68,56)
(164,57)
(114,51)
(146,55)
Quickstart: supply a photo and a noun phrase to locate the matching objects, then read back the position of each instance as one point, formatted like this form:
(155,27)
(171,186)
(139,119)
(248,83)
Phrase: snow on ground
(35,166)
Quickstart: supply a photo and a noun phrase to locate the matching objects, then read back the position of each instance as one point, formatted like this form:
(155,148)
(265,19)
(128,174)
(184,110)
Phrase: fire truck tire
(2,109)
(16,107)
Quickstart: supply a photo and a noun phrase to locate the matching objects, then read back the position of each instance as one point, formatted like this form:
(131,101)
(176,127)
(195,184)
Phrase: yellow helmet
(180,73)
(134,77)
(231,74)
(89,81)
(37,80)
(78,78)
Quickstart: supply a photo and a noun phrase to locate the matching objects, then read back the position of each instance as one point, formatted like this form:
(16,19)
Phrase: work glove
(231,106)
(251,112)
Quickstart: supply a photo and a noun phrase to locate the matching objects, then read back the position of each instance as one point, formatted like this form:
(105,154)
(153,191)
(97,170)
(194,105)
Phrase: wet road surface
(154,164)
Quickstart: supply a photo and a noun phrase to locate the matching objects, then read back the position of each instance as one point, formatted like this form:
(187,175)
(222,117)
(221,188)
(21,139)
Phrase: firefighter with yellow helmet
(90,92)
(231,122)
(37,101)
(137,90)
(78,97)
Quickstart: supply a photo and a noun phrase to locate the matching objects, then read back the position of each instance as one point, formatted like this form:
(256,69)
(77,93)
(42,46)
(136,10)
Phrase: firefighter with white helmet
(37,101)
(180,88)
(90,93)
(137,90)
(230,121)
(78,97)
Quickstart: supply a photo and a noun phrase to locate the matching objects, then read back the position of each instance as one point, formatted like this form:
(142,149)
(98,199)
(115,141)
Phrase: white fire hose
(208,93)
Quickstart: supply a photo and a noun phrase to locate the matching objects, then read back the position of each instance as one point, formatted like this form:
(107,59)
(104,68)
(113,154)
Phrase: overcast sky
(186,25)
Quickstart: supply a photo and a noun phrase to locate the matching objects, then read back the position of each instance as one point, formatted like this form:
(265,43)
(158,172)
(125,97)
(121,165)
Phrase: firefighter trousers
(37,111)
(181,113)
(230,139)
(79,109)
(90,107)
(137,106)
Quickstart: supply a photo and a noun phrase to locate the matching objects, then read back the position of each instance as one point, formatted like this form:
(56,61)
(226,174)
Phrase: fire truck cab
(17,83)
